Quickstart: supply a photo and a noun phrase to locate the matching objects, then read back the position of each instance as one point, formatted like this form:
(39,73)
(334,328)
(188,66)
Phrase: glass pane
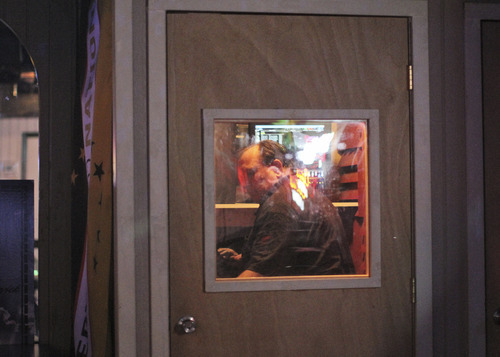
(19,113)
(291,198)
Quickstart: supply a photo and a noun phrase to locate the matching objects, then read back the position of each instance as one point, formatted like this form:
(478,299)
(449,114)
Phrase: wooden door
(251,61)
(491,109)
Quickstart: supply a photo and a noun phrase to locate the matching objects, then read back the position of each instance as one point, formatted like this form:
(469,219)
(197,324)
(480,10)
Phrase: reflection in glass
(19,113)
(291,197)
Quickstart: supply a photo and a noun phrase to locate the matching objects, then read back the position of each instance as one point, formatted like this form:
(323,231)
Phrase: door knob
(496,316)
(186,325)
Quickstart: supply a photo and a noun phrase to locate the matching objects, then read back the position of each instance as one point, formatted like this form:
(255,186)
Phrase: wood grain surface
(307,62)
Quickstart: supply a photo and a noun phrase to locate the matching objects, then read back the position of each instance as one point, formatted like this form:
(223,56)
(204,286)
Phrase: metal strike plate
(496,316)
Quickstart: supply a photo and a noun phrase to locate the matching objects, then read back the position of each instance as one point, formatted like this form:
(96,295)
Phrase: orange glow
(300,183)
(303,175)
(295,187)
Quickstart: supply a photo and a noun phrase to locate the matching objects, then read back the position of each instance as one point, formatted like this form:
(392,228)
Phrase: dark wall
(48,31)
(446,51)
(449,171)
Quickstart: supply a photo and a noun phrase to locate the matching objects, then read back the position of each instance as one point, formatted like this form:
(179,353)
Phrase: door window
(287,198)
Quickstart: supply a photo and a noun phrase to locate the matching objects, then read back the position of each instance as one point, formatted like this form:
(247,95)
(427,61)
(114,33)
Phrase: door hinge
(413,290)
(410,77)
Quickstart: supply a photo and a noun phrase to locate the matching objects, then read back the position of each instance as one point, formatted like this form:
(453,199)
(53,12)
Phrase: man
(295,232)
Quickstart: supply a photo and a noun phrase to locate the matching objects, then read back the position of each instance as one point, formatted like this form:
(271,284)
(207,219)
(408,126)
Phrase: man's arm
(250,274)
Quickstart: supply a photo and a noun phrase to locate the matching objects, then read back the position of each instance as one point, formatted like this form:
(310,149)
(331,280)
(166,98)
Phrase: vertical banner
(81,327)
(100,201)
(88,93)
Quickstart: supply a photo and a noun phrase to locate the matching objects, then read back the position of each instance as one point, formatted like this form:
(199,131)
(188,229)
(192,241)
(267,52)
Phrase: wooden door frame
(474,15)
(130,32)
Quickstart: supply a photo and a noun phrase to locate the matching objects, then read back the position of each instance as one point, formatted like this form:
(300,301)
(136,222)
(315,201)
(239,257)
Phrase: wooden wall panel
(491,111)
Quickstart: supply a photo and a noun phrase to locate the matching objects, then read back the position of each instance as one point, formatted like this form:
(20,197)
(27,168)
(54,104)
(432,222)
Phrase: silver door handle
(186,325)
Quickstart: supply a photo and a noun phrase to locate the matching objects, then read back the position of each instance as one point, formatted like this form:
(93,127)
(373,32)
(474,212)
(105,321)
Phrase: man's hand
(250,274)
(228,254)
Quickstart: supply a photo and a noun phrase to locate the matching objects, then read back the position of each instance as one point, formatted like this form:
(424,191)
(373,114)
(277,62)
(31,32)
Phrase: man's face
(255,178)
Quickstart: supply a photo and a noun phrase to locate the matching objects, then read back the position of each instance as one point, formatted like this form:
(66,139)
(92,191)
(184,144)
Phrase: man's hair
(271,150)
